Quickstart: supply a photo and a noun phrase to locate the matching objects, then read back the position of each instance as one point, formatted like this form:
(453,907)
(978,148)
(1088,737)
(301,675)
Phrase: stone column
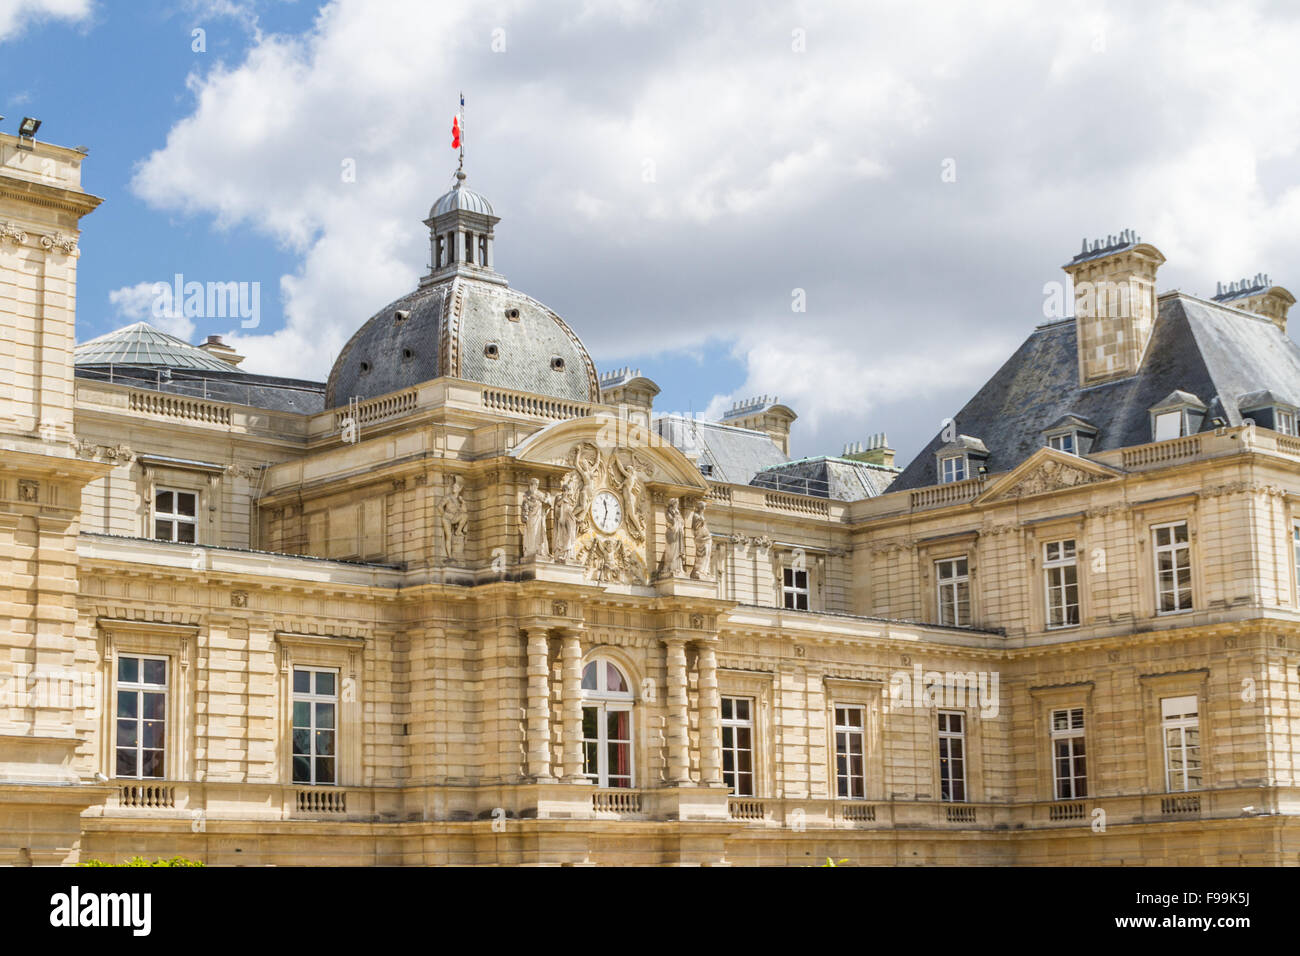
(571,692)
(710,705)
(679,763)
(539,704)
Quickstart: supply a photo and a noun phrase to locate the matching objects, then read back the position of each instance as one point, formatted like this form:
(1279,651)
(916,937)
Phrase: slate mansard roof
(726,453)
(1221,355)
(843,479)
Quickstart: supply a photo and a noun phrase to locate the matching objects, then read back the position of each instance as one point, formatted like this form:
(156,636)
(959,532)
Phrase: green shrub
(141,861)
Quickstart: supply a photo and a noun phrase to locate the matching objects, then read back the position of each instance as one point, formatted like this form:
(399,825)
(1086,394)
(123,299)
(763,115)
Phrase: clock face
(606,512)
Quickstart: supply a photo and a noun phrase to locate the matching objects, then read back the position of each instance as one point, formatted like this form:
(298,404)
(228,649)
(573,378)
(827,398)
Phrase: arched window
(606,725)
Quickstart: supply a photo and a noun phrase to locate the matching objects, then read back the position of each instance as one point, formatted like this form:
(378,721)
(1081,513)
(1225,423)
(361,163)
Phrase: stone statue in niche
(703,568)
(565,536)
(532,515)
(670,562)
(455,520)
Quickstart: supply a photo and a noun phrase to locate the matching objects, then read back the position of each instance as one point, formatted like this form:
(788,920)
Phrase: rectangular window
(1284,421)
(141,716)
(607,744)
(1295,551)
(952,756)
(174,515)
(850,747)
(1181,725)
(1061,578)
(315,725)
(954,469)
(1168,425)
(794,589)
(953,579)
(1069,764)
(1063,443)
(738,745)
(1173,557)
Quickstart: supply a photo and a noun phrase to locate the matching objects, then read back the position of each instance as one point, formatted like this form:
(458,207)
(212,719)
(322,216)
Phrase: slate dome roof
(464,328)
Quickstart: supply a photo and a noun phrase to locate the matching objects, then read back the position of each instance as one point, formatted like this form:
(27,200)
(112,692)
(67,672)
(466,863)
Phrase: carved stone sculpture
(627,478)
(670,562)
(703,568)
(566,518)
(455,521)
(532,515)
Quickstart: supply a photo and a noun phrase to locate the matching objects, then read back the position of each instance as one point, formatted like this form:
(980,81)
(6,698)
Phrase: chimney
(875,452)
(219,349)
(1257,295)
(631,392)
(1114,305)
(764,414)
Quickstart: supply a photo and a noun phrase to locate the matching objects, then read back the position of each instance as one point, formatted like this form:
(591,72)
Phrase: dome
(464,328)
(142,344)
(460,198)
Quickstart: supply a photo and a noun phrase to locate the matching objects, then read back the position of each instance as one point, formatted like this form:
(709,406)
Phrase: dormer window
(1070,434)
(960,459)
(1267,410)
(954,468)
(1181,413)
(1067,442)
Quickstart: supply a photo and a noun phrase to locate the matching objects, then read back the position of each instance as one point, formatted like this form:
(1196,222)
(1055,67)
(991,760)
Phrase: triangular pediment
(1045,471)
(658,461)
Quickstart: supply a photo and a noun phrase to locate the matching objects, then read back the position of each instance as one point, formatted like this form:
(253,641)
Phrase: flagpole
(461,167)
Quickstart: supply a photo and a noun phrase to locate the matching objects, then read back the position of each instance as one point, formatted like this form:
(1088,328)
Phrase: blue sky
(671,174)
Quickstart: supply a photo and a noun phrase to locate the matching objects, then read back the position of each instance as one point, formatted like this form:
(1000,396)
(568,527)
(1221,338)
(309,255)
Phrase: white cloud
(17,15)
(142,303)
(667,173)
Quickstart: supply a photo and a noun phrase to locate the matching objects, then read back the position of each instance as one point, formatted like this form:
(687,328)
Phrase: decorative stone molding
(241,471)
(12,233)
(29,491)
(1049,475)
(239,599)
(67,244)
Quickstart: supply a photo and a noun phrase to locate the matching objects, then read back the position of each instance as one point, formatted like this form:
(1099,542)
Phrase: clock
(606,512)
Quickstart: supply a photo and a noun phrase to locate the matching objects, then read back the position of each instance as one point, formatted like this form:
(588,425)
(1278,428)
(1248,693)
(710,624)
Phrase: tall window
(174,515)
(954,469)
(952,756)
(1069,763)
(1284,421)
(1295,551)
(141,716)
(850,766)
(953,578)
(1168,425)
(1173,557)
(794,588)
(606,725)
(1061,578)
(1181,724)
(315,725)
(738,745)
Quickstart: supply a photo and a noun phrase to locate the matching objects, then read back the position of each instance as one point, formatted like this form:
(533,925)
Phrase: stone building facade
(470,601)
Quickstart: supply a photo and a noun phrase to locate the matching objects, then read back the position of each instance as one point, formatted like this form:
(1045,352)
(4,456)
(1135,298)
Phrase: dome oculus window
(401,315)
(512,315)
(491,350)
(407,355)
(365,367)
(557,364)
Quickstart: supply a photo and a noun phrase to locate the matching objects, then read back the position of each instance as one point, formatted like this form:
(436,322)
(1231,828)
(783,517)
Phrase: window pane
(153,734)
(301,741)
(128,703)
(301,682)
(325,716)
(126,766)
(614,679)
(154,706)
(151,763)
(325,743)
(162,502)
(301,769)
(127,733)
(589,676)
(155,672)
(185,504)
(301,713)
(128,669)
(325,683)
(184,532)
(324,769)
